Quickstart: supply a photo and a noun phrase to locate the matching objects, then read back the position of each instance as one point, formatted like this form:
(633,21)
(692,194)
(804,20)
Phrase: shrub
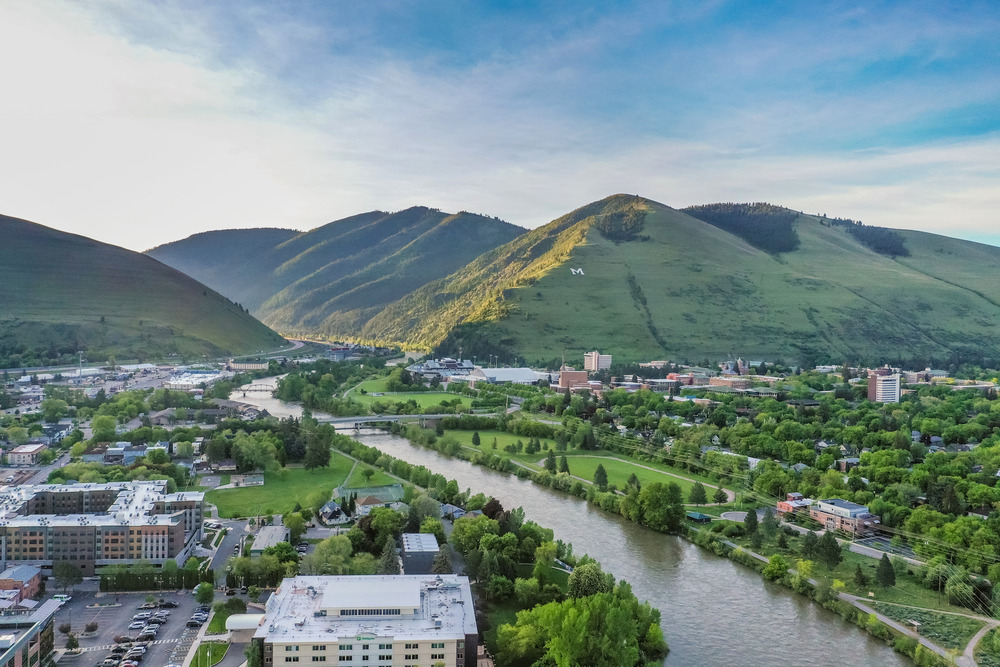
(91,627)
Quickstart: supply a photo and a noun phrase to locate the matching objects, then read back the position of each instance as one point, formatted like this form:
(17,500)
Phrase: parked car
(203,609)
(147,605)
(195,623)
(157,620)
(141,616)
(137,625)
(62,598)
(168,604)
(147,635)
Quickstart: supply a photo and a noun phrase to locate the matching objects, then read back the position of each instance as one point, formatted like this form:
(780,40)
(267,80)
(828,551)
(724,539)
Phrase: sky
(140,123)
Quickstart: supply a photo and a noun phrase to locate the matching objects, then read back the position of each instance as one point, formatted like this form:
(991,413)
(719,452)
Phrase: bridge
(258,387)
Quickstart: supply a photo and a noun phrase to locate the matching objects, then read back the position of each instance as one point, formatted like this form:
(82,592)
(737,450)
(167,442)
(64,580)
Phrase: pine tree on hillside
(698,495)
(750,522)
(550,462)
(563,464)
(601,478)
(720,496)
(388,563)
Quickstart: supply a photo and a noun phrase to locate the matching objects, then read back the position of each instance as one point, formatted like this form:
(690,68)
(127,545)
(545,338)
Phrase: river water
(715,612)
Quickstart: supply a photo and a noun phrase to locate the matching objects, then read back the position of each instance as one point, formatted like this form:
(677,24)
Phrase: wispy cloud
(139,127)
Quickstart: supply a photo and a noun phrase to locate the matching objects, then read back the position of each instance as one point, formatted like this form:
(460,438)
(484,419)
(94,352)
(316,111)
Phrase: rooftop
(269,536)
(20,573)
(297,610)
(415,542)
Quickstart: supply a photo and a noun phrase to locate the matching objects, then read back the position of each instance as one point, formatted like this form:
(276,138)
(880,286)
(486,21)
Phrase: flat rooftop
(444,604)
(417,542)
(268,536)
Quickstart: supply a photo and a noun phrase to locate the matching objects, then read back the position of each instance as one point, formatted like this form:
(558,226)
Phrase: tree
(296,526)
(550,462)
(442,563)
(776,568)
(184,450)
(698,494)
(317,452)
(204,593)
(750,522)
(828,550)
(388,563)
(368,473)
(809,541)
(66,573)
(860,578)
(253,592)
(284,552)
(103,428)
(589,579)
(433,526)
(769,526)
(563,464)
(601,478)
(720,496)
(475,438)
(72,643)
(885,575)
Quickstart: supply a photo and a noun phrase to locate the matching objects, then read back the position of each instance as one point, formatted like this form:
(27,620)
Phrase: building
(571,379)
(883,388)
(268,536)
(837,514)
(793,502)
(503,376)
(731,381)
(25,455)
(595,361)
(92,525)
(27,636)
(24,580)
(355,621)
(419,552)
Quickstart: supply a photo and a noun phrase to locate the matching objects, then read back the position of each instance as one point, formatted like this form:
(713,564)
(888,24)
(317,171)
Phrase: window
(411,656)
(364,658)
(437,656)
(385,657)
(291,658)
(319,658)
(291,648)
(344,658)
(385,647)
(413,645)
(321,647)
(364,647)
(346,647)
(437,644)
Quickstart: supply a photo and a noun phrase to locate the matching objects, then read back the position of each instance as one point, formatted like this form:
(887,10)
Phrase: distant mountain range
(624,275)
(333,279)
(62,293)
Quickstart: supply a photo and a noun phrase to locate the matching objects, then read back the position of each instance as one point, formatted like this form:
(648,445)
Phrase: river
(715,612)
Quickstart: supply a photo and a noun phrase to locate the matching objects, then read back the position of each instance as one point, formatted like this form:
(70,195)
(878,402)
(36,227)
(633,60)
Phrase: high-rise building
(883,388)
(595,361)
(362,621)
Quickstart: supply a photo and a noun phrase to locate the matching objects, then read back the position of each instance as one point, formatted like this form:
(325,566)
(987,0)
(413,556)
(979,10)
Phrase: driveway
(237,529)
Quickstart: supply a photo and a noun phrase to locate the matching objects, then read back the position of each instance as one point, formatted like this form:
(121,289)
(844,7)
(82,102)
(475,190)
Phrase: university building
(370,621)
(92,525)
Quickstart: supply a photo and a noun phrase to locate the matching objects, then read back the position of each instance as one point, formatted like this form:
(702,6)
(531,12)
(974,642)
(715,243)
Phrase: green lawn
(358,480)
(281,490)
(217,625)
(988,650)
(503,439)
(620,470)
(209,653)
(947,630)
(423,399)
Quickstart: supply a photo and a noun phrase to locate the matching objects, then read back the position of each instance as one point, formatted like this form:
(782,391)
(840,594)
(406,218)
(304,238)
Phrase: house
(332,513)
(250,479)
(453,512)
(845,465)
(23,580)
(25,455)
(268,536)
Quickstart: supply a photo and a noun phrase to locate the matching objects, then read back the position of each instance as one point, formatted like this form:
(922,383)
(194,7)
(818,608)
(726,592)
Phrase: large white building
(883,388)
(370,621)
(595,361)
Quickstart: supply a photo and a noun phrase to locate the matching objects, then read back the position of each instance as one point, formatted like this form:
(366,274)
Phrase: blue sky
(141,123)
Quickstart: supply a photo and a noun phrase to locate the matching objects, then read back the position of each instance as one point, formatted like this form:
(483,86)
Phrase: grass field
(619,471)
(503,439)
(209,653)
(281,490)
(423,399)
(357,478)
(947,630)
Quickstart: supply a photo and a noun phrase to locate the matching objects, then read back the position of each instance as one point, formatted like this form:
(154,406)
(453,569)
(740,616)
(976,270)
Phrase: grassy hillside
(685,289)
(62,293)
(334,278)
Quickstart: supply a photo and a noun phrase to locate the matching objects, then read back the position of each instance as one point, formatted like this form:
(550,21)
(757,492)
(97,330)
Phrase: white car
(62,598)
(137,625)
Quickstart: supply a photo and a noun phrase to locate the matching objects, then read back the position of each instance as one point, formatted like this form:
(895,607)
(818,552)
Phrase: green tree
(204,593)
(296,526)
(698,495)
(253,593)
(433,526)
(828,550)
(66,574)
(720,496)
(885,575)
(317,451)
(860,578)
(769,526)
(475,438)
(776,567)
(388,563)
(103,428)
(808,549)
(601,477)
(442,563)
(550,462)
(72,643)
(750,522)
(563,464)
(589,579)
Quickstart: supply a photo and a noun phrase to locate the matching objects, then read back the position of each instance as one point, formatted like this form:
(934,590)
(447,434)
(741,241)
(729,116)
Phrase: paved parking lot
(171,643)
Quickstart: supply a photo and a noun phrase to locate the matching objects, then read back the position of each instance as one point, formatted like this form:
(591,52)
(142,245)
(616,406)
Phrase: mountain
(333,279)
(640,280)
(63,293)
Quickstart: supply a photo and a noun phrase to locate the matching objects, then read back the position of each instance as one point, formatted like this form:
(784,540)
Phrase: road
(234,534)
